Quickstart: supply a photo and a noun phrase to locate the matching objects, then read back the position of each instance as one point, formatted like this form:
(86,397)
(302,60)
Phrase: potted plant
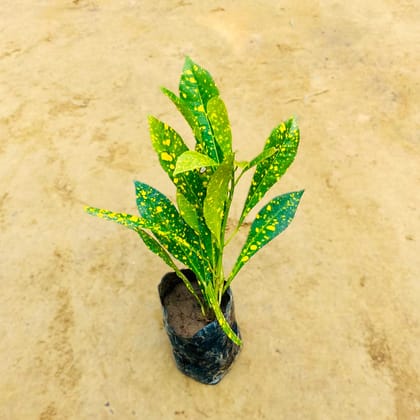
(194,231)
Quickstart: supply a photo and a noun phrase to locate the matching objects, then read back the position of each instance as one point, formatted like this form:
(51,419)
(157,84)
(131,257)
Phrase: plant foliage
(193,231)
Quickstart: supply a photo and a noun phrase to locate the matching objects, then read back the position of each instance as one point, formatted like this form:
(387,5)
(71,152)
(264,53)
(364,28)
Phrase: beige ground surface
(329,312)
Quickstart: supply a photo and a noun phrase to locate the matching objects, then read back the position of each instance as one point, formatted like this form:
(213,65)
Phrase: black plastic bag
(208,354)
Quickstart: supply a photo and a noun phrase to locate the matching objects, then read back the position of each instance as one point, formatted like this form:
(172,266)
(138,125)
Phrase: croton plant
(193,231)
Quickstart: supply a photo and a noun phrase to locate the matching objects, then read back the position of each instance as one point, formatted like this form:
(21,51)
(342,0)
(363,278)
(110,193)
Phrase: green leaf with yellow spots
(272,219)
(186,112)
(242,164)
(285,139)
(191,160)
(265,154)
(169,146)
(159,250)
(217,195)
(170,228)
(135,223)
(219,120)
(196,88)
(188,212)
(138,225)
(127,220)
(156,248)
(167,143)
(210,292)
(193,216)
(197,83)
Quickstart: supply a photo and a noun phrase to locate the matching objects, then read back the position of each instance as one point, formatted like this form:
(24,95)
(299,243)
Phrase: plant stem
(233,234)
(239,225)
(240,175)
(228,204)
(187,283)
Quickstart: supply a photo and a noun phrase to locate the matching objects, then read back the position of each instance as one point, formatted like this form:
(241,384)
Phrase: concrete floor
(329,312)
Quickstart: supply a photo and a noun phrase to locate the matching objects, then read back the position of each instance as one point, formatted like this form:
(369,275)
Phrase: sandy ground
(329,312)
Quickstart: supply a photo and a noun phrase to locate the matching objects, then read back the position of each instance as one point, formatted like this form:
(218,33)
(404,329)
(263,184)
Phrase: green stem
(221,289)
(190,288)
(219,278)
(229,280)
(233,234)
(240,175)
(240,220)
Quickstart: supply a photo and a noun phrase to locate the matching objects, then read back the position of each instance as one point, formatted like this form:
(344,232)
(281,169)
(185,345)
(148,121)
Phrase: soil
(184,313)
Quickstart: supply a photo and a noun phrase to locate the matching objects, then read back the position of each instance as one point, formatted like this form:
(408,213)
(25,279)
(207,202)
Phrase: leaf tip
(93,211)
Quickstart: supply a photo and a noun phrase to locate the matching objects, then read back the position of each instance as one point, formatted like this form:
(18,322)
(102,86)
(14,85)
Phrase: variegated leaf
(217,194)
(265,154)
(186,112)
(188,212)
(211,294)
(219,120)
(127,220)
(170,229)
(193,216)
(196,88)
(272,219)
(285,139)
(167,143)
(138,225)
(191,160)
(159,250)
(242,164)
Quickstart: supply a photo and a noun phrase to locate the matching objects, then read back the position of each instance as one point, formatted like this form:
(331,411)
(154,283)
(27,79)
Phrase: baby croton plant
(193,231)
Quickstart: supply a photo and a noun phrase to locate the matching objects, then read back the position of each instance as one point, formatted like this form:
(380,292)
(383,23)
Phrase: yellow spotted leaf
(169,146)
(227,329)
(219,120)
(271,220)
(191,160)
(196,88)
(188,212)
(217,194)
(167,143)
(285,140)
(170,228)
(127,220)
(186,112)
(140,225)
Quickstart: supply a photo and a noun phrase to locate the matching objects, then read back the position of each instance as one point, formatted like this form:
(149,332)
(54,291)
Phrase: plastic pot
(207,354)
